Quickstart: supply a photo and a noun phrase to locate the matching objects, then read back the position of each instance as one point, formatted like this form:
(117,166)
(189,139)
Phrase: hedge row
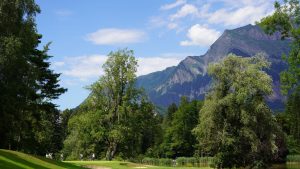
(180,161)
(293,158)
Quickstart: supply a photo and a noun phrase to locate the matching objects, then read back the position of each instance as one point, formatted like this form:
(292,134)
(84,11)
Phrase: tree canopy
(27,83)
(236,125)
(117,117)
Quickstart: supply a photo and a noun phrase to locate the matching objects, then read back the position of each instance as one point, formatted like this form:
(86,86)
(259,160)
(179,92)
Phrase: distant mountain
(189,78)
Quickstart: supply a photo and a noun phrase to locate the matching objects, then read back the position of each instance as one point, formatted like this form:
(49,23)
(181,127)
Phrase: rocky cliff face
(189,78)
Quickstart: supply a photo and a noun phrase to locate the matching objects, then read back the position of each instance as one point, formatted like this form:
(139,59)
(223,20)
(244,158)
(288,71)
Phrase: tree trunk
(110,153)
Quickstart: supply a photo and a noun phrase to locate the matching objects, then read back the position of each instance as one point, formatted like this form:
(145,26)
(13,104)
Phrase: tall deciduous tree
(27,84)
(114,92)
(236,125)
(117,117)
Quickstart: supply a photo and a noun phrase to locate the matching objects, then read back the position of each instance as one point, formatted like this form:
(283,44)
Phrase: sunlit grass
(16,160)
(125,165)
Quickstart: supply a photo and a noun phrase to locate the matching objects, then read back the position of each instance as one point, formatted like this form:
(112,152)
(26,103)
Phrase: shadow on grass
(16,162)
(58,163)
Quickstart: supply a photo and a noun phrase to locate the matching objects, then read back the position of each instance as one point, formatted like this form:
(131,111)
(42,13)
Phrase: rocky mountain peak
(189,78)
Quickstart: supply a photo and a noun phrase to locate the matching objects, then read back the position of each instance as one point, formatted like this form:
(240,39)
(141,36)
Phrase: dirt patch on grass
(95,167)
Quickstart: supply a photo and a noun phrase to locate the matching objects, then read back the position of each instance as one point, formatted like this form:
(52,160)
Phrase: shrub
(293,158)
(165,162)
(180,161)
(150,161)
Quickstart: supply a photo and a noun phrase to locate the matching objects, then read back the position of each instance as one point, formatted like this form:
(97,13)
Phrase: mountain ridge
(189,78)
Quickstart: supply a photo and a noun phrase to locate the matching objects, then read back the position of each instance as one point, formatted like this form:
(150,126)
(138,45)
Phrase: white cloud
(172,25)
(155,22)
(84,68)
(243,3)
(58,64)
(200,35)
(153,64)
(184,11)
(246,14)
(223,14)
(112,36)
(173,5)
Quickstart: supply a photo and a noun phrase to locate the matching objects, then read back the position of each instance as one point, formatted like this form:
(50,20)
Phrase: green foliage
(86,135)
(293,145)
(286,20)
(289,121)
(27,84)
(236,126)
(169,115)
(178,125)
(158,161)
(116,119)
(293,115)
(293,158)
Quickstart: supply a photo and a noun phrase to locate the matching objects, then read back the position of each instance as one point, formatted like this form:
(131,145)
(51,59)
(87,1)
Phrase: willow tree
(236,125)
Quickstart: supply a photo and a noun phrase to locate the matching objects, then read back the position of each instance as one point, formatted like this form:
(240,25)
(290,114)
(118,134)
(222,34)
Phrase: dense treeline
(117,120)
(29,121)
(234,124)
(178,140)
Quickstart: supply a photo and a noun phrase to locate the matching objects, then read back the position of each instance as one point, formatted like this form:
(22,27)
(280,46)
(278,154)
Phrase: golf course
(173,84)
(17,160)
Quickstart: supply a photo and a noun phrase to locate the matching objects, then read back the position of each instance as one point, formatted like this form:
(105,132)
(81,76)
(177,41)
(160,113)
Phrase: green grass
(125,165)
(16,160)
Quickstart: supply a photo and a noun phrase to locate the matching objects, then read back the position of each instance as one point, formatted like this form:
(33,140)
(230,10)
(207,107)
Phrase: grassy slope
(16,160)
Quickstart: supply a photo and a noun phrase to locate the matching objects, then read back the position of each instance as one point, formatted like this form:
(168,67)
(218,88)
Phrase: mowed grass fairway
(122,165)
(128,165)
(17,160)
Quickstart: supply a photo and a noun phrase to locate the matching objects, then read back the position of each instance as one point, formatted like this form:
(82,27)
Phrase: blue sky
(160,32)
